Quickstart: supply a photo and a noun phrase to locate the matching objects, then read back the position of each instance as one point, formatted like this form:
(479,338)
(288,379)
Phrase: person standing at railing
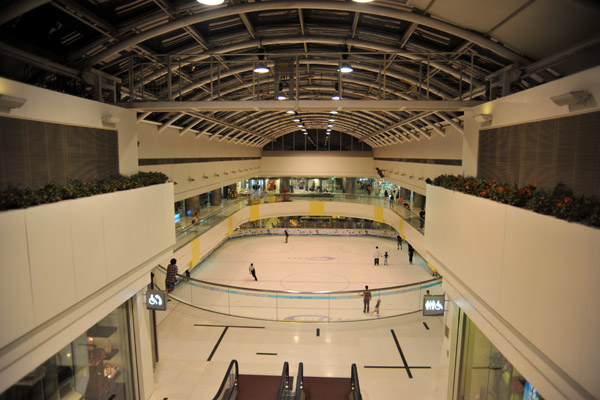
(253,271)
(422,216)
(411,253)
(171,277)
(366,300)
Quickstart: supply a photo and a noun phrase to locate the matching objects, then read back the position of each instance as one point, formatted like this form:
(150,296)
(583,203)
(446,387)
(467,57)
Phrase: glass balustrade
(191,232)
(299,306)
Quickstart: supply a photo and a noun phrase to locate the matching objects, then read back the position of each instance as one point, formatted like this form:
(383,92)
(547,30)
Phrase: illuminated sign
(156,300)
(433,305)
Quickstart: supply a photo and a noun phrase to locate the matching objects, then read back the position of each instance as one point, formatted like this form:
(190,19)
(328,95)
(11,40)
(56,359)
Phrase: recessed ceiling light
(282,97)
(296,119)
(300,126)
(333,112)
(362,1)
(336,97)
(331,120)
(290,112)
(306,133)
(328,133)
(329,126)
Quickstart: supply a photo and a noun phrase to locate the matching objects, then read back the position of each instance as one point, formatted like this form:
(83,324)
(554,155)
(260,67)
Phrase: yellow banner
(378,214)
(317,208)
(229,226)
(401,228)
(254,213)
(195,252)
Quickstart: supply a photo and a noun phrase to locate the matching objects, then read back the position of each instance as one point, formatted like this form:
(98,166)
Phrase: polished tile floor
(189,337)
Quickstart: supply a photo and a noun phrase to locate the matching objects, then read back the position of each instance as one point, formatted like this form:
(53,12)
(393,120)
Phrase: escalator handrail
(300,382)
(233,364)
(354,385)
(285,377)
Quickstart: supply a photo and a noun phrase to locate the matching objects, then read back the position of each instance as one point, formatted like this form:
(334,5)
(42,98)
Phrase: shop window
(95,366)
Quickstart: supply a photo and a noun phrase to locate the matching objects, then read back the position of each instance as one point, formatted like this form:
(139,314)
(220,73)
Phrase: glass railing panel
(302,307)
(294,306)
(210,297)
(253,304)
(189,233)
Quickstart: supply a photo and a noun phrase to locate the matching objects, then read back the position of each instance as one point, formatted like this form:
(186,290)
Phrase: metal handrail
(354,385)
(283,383)
(294,291)
(300,383)
(223,388)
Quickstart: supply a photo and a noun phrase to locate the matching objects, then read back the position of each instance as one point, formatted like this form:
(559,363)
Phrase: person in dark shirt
(171,276)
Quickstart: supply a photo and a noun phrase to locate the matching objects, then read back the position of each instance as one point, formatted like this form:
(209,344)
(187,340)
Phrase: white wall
(438,147)
(55,257)
(324,164)
(527,106)
(49,106)
(526,276)
(190,177)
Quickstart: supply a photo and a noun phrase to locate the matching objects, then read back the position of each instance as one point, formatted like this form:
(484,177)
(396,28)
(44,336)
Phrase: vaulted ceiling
(417,64)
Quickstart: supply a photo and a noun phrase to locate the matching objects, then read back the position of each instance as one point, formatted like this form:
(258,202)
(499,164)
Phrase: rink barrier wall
(343,306)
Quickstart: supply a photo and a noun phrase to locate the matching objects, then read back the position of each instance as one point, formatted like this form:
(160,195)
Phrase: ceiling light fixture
(261,66)
(211,2)
(296,119)
(333,112)
(282,97)
(306,133)
(331,120)
(328,133)
(362,1)
(335,97)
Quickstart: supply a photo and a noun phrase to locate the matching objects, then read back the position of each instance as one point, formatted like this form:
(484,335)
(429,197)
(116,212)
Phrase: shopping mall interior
(388,199)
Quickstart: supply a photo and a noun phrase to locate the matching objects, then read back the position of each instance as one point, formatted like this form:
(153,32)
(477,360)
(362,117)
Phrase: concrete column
(350,186)
(193,204)
(285,185)
(418,201)
(215,197)
(405,194)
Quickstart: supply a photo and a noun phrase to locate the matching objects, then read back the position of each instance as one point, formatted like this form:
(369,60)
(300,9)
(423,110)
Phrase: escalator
(259,387)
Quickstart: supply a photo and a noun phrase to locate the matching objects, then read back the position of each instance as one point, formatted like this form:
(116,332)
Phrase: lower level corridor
(196,347)
(397,357)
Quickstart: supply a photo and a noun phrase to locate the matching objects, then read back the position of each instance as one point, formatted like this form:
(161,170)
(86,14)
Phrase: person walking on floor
(385,256)
(399,242)
(377,255)
(171,277)
(411,253)
(253,271)
(286,235)
(366,300)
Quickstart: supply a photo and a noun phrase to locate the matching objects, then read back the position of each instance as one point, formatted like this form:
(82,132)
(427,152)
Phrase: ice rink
(312,264)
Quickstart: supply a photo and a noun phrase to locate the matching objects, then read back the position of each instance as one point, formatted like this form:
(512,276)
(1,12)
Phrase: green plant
(560,203)
(14,198)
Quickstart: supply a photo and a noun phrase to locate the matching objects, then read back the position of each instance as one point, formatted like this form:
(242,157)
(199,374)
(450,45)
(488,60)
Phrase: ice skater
(385,257)
(411,253)
(253,271)
(376,255)
(399,242)
(286,235)
(376,310)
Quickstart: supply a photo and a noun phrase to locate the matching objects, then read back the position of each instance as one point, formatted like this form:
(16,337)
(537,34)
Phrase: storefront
(483,372)
(97,365)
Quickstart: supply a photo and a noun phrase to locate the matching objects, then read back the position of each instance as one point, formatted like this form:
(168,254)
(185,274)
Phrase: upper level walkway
(211,216)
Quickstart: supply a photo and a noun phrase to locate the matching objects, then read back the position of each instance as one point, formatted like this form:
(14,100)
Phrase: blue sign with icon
(156,300)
